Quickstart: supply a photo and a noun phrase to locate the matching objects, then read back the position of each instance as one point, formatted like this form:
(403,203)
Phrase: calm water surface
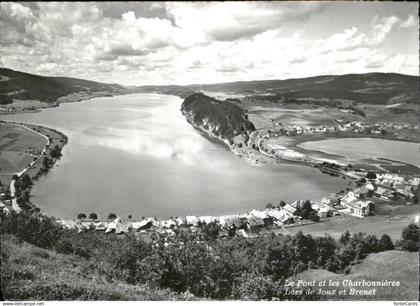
(136,154)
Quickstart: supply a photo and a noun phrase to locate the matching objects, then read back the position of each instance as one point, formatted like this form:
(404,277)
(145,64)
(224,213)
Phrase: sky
(143,43)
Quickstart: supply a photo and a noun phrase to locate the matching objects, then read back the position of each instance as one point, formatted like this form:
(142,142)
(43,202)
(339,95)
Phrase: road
(15,205)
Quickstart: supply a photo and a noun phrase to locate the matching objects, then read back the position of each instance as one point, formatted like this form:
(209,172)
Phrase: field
(18,147)
(388,220)
(263,114)
(302,116)
(389,265)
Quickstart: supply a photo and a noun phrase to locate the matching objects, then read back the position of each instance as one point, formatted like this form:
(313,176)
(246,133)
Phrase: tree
(385,243)
(313,216)
(46,162)
(26,181)
(112,216)
(269,205)
(410,238)
(345,237)
(93,216)
(81,216)
(210,230)
(55,152)
(282,204)
(307,205)
(130,216)
(306,210)
(371,175)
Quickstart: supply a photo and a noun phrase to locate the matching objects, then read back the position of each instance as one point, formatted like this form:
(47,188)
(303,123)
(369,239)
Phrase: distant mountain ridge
(25,86)
(372,88)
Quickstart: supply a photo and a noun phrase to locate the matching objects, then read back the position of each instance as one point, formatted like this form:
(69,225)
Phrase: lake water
(136,154)
(365,148)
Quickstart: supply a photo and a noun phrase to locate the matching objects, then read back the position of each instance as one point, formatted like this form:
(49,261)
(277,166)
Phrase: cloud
(184,42)
(381,28)
(410,22)
(228,21)
(140,9)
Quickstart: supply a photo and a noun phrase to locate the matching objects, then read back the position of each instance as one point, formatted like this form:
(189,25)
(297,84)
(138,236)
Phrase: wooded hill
(372,88)
(221,118)
(26,86)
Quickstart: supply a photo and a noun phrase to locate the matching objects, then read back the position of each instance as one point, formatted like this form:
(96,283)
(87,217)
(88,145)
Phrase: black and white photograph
(209,151)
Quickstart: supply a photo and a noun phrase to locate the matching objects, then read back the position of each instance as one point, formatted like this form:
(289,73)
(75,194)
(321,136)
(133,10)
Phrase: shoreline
(221,142)
(58,102)
(34,169)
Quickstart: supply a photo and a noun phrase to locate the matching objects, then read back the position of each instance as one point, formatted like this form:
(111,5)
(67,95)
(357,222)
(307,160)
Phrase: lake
(366,148)
(136,154)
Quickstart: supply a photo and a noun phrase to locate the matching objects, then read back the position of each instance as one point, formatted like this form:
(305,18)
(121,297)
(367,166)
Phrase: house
(364,193)
(278,215)
(254,223)
(181,221)
(391,179)
(100,226)
(289,209)
(349,198)
(370,186)
(192,220)
(360,208)
(234,222)
(262,215)
(405,193)
(206,219)
(297,204)
(327,201)
(382,193)
(167,223)
(325,211)
(117,227)
(142,225)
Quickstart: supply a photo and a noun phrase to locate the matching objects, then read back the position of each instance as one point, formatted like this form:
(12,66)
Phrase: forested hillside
(25,86)
(221,118)
(41,260)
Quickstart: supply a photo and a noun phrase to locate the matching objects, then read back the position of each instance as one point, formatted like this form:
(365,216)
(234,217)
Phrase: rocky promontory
(218,119)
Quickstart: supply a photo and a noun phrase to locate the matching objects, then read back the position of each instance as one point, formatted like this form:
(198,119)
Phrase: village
(372,189)
(379,128)
(279,141)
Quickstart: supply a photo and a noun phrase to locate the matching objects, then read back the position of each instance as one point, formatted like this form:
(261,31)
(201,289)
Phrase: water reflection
(137,155)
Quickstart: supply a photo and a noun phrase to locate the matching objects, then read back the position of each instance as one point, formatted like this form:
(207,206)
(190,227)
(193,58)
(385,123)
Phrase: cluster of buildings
(381,187)
(341,125)
(243,224)
(253,221)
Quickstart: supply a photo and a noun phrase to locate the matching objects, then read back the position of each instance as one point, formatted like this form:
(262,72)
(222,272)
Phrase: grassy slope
(389,265)
(32,273)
